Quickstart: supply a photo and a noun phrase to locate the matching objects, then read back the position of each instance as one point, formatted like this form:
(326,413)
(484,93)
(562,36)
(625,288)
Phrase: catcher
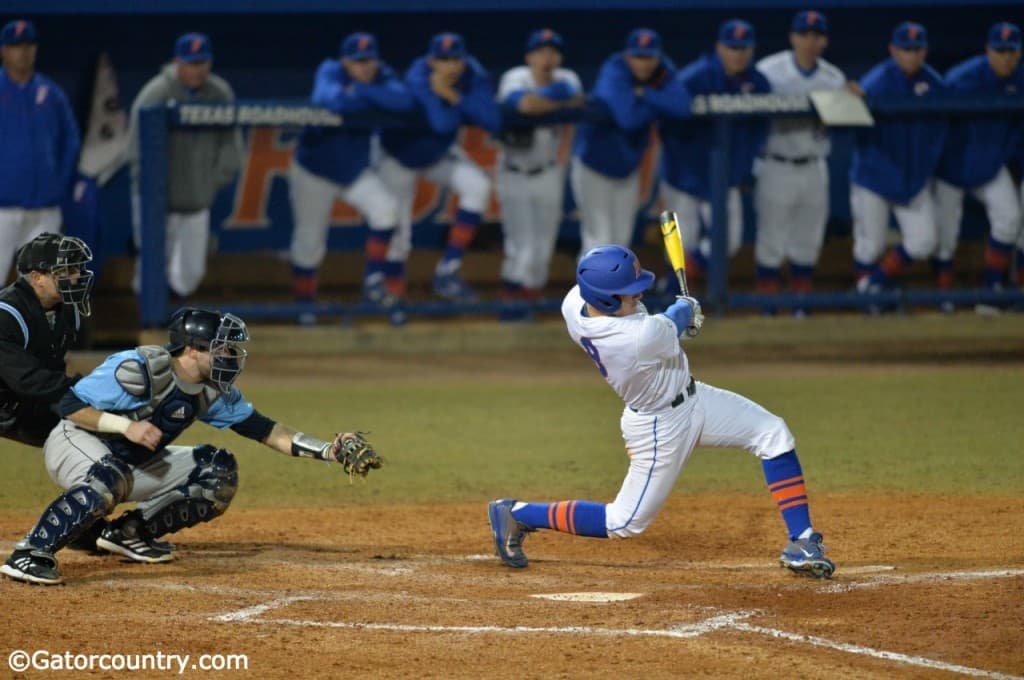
(114,445)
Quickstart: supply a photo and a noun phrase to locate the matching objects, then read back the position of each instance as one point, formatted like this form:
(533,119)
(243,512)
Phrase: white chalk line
(932,577)
(250,612)
(921,661)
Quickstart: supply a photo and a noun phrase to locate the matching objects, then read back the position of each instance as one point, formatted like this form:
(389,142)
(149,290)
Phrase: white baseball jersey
(543,150)
(798,137)
(667,414)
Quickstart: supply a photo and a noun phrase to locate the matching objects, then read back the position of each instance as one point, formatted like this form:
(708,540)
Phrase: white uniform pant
(313,198)
(18,226)
(531,210)
(70,451)
(871,222)
(455,171)
(792,206)
(186,245)
(659,444)
(694,212)
(607,206)
(1001,202)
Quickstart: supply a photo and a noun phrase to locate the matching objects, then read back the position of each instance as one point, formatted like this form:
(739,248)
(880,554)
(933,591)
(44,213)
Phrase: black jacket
(32,369)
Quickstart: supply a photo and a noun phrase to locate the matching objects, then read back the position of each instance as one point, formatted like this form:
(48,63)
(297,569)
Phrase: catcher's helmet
(62,256)
(607,272)
(219,334)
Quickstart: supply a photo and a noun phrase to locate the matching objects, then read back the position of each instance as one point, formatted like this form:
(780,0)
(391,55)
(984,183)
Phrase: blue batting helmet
(608,271)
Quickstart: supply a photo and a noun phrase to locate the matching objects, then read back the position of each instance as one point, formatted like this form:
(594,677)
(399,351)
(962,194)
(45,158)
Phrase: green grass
(958,432)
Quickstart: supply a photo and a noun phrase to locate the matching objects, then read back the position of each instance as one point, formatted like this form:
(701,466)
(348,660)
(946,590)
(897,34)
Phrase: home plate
(587,597)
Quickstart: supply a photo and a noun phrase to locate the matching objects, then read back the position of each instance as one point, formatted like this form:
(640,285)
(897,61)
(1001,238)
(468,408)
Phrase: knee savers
(206,495)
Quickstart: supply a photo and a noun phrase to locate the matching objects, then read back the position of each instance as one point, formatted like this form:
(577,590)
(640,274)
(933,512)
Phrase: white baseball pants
(1001,202)
(694,212)
(531,211)
(607,206)
(186,245)
(792,206)
(870,212)
(18,226)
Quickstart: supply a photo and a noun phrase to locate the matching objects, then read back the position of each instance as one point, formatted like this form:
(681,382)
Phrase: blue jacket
(897,156)
(686,145)
(421,149)
(978,147)
(39,143)
(615,148)
(341,154)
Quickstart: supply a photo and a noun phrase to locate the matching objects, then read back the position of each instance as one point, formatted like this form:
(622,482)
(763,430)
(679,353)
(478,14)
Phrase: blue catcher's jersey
(159,398)
(897,157)
(978,147)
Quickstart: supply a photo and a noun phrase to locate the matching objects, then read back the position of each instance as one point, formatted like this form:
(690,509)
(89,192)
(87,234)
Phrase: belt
(529,172)
(799,160)
(691,389)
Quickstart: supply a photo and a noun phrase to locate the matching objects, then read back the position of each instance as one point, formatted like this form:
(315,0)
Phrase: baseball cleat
(453,287)
(807,557)
(129,538)
(86,541)
(508,533)
(32,566)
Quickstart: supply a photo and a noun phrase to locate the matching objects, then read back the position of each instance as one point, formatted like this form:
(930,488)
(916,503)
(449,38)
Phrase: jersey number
(590,349)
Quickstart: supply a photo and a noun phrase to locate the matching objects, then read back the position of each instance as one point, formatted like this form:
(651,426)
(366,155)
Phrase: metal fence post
(153,146)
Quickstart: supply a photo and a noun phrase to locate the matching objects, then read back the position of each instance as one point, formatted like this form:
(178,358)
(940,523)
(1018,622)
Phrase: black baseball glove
(355,454)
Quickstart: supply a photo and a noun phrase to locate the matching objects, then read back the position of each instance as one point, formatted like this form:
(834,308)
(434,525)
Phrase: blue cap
(1004,36)
(193,47)
(19,31)
(736,33)
(909,36)
(644,42)
(545,37)
(809,20)
(448,46)
(359,46)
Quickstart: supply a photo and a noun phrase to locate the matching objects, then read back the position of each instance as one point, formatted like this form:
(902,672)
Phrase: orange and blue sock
(583,518)
(785,480)
(305,282)
(997,261)
(377,243)
(461,234)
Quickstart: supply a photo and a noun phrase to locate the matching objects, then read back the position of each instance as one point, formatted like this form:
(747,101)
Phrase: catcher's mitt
(355,454)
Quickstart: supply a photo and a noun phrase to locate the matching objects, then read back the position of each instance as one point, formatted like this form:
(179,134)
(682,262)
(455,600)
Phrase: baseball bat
(672,239)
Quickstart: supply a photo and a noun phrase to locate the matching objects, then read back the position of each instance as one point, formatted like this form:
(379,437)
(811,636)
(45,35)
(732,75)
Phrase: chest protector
(169,407)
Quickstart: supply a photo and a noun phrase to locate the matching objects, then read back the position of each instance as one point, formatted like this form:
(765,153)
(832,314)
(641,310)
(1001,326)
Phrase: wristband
(305,446)
(111,422)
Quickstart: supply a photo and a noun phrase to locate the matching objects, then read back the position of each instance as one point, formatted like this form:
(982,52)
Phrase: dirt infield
(414,591)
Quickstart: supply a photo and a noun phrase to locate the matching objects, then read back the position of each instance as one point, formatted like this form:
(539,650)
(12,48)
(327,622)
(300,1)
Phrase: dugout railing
(722,110)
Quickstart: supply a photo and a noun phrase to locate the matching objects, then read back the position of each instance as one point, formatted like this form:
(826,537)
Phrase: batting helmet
(62,256)
(606,272)
(222,335)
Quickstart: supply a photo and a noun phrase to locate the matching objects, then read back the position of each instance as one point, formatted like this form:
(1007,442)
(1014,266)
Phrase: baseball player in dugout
(637,88)
(453,90)
(791,194)
(975,159)
(531,180)
(686,145)
(40,145)
(667,413)
(40,316)
(335,164)
(893,165)
(200,163)
(114,445)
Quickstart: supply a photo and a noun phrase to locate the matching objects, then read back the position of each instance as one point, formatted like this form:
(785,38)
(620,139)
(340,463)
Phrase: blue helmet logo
(609,271)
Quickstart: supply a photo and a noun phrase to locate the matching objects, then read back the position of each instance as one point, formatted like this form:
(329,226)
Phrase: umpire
(40,316)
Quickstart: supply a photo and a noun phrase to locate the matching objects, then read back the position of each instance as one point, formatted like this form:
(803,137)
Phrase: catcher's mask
(607,272)
(222,335)
(63,257)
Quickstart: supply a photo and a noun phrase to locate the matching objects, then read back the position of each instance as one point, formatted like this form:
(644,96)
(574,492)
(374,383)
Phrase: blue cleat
(807,557)
(453,287)
(508,533)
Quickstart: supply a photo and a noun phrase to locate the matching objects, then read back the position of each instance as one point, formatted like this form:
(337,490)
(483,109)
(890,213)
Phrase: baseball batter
(976,155)
(453,90)
(40,145)
(791,195)
(667,413)
(637,88)
(531,181)
(335,164)
(200,162)
(686,145)
(893,164)
(115,445)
